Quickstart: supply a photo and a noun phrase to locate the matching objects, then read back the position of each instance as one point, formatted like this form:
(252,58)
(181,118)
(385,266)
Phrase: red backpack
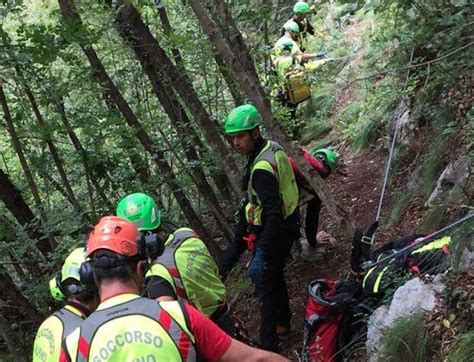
(327,308)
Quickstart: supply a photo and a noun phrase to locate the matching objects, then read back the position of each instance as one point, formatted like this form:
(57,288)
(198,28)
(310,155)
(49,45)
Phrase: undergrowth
(463,348)
(407,340)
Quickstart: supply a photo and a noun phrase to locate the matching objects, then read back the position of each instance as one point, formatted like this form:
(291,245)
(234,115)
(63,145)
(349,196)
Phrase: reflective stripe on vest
(169,261)
(104,327)
(280,167)
(69,319)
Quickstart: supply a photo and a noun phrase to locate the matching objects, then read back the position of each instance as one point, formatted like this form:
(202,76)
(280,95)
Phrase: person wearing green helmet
(268,223)
(291,33)
(300,14)
(80,300)
(288,61)
(324,161)
(184,269)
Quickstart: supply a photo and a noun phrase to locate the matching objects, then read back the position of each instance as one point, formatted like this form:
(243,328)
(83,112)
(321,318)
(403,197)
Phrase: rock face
(414,297)
(406,124)
(466,262)
(454,177)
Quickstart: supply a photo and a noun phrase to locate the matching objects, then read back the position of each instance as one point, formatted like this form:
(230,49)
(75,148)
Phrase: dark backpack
(328,314)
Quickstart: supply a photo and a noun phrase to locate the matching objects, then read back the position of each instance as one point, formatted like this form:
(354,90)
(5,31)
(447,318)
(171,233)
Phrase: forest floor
(356,186)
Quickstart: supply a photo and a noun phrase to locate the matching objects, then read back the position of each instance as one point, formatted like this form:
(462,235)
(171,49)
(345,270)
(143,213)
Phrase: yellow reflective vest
(128,327)
(190,269)
(53,330)
(272,158)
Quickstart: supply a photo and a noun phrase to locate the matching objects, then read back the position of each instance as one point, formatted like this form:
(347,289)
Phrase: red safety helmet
(115,234)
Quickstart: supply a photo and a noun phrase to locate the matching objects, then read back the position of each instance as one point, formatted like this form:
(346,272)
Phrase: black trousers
(311,221)
(273,293)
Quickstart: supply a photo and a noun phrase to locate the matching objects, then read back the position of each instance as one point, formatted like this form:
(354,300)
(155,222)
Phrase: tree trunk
(50,243)
(158,155)
(18,148)
(10,340)
(71,197)
(129,16)
(21,211)
(233,87)
(237,58)
(85,159)
(182,124)
(12,294)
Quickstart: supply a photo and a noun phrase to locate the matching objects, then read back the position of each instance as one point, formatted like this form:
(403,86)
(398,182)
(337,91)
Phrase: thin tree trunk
(129,17)
(85,159)
(236,56)
(233,87)
(30,255)
(181,123)
(158,155)
(18,148)
(71,197)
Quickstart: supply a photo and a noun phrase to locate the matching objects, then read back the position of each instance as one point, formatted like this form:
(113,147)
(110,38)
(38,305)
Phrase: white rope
(392,147)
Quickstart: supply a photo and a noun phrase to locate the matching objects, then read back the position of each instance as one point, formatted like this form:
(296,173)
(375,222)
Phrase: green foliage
(407,340)
(462,349)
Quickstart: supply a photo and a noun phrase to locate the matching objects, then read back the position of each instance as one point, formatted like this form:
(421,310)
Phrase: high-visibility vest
(131,328)
(272,158)
(191,270)
(53,330)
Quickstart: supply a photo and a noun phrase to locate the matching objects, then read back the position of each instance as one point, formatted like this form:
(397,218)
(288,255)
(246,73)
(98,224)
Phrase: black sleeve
(309,28)
(230,256)
(159,287)
(266,186)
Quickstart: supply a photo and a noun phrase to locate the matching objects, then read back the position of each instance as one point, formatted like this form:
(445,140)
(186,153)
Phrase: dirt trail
(356,186)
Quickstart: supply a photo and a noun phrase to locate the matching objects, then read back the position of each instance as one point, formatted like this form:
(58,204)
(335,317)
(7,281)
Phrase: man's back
(127,327)
(191,271)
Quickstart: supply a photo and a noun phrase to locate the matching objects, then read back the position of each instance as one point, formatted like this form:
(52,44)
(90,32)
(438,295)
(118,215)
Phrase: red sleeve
(211,341)
(313,161)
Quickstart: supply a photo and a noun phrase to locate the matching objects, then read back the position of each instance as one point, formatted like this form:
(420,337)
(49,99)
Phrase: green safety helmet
(242,118)
(140,209)
(292,27)
(69,270)
(329,157)
(301,7)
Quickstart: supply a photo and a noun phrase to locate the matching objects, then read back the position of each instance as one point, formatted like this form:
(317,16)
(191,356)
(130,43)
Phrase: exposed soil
(356,186)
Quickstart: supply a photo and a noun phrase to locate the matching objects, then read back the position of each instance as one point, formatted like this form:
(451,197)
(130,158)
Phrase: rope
(392,147)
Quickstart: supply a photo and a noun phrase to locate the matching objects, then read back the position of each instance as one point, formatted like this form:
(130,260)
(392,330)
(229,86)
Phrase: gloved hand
(256,266)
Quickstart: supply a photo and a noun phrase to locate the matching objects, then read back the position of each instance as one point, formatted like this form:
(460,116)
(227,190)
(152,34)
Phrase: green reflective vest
(272,158)
(191,270)
(130,328)
(53,330)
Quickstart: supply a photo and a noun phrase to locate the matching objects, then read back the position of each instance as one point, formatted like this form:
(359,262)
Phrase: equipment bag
(327,304)
(297,87)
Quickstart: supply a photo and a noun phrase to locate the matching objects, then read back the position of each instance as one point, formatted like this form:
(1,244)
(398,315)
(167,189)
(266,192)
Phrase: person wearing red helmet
(126,326)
